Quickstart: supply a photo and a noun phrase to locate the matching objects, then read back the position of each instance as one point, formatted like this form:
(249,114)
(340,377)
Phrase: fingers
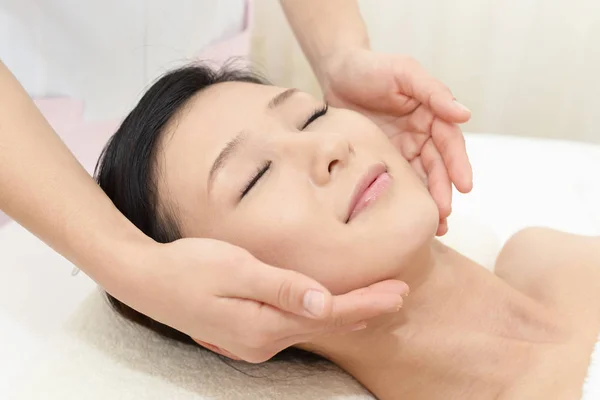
(351,312)
(446,107)
(364,304)
(267,308)
(282,289)
(438,180)
(414,81)
(409,145)
(450,142)
(359,306)
(417,165)
(389,286)
(442,227)
(260,331)
(347,309)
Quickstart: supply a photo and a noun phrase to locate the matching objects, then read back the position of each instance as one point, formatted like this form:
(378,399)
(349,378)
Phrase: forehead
(210,120)
(199,132)
(217,114)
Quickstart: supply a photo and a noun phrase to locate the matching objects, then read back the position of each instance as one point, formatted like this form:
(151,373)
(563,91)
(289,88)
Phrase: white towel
(101,356)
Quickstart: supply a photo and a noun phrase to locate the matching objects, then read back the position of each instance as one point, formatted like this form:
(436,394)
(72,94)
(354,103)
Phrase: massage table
(60,340)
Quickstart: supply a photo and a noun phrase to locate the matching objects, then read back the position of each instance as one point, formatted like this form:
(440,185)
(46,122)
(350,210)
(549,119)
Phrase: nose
(329,152)
(321,155)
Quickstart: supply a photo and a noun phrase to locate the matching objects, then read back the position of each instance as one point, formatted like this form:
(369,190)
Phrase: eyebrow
(234,144)
(230,148)
(281,98)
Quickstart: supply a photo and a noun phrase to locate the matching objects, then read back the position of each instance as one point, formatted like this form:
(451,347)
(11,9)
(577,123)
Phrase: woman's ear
(217,350)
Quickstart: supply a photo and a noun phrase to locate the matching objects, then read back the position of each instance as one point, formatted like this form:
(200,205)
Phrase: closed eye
(315,115)
(267,165)
(255,178)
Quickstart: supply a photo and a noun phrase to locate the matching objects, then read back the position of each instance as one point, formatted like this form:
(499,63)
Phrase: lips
(368,189)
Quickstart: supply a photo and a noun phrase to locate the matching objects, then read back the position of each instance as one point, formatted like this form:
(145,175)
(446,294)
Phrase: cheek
(291,234)
(387,240)
(361,129)
(418,220)
(411,225)
(276,228)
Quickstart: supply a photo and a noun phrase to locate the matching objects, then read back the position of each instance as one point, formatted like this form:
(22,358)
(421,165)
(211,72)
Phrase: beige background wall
(524,67)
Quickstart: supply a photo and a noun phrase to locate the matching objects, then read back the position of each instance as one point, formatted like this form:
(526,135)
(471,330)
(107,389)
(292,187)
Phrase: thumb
(414,81)
(283,289)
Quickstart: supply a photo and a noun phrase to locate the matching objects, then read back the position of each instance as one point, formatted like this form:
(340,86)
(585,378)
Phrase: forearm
(45,189)
(323,27)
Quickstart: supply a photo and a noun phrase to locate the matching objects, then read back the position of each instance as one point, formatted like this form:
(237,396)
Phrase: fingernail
(461,106)
(358,327)
(405,290)
(394,309)
(314,302)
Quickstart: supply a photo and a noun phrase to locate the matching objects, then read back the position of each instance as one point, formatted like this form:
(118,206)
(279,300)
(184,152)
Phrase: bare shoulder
(549,243)
(557,268)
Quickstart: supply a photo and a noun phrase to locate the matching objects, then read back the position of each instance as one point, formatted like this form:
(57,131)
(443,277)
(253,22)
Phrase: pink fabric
(84,138)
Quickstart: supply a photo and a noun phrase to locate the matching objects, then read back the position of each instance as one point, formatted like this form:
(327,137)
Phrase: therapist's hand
(232,303)
(416,111)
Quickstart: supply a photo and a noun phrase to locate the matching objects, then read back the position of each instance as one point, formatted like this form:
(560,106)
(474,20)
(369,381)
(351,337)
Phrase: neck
(460,327)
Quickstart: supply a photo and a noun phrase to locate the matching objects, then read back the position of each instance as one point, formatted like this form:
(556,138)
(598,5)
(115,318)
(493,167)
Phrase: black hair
(126,170)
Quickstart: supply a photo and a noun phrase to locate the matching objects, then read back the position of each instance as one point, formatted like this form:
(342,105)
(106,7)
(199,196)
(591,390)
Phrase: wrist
(325,28)
(341,64)
(115,261)
(328,62)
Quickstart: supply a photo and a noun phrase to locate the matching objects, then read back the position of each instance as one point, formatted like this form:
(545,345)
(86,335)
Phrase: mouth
(368,189)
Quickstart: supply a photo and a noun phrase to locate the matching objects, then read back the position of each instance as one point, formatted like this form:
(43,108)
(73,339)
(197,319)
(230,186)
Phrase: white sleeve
(105,52)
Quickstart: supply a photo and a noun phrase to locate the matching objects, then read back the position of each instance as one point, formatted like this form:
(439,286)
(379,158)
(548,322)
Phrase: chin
(414,231)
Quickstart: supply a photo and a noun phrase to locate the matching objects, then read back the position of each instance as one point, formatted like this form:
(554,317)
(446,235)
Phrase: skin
(519,336)
(63,206)
(310,184)
(416,111)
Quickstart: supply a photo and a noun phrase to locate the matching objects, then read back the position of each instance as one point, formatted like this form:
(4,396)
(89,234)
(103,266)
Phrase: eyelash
(315,115)
(265,166)
(259,173)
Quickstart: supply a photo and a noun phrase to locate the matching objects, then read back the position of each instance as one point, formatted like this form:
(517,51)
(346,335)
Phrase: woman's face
(241,164)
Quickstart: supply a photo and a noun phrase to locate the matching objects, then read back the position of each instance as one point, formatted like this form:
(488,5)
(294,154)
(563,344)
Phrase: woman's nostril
(332,164)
